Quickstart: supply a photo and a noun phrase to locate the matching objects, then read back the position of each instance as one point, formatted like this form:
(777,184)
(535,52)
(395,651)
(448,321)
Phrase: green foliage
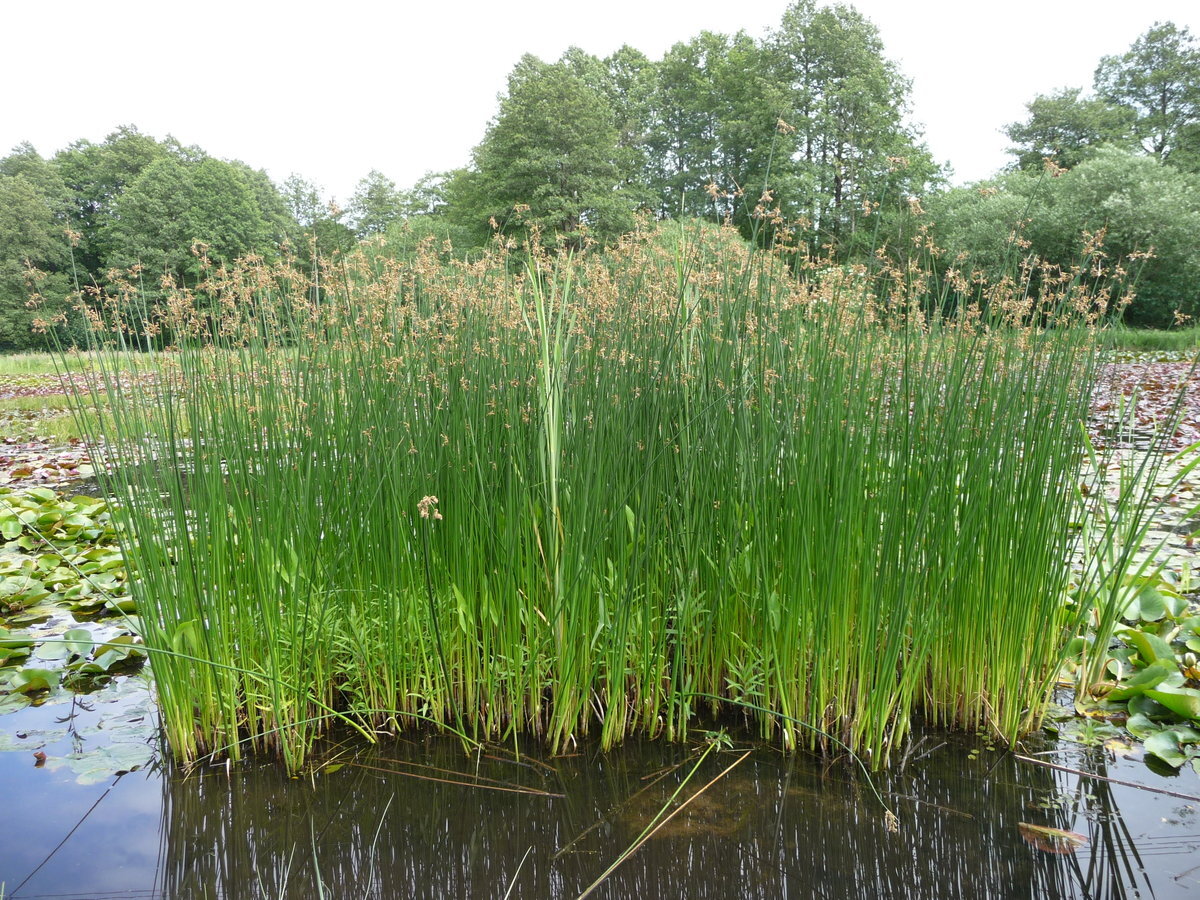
(178,210)
(716,113)
(96,175)
(1175,340)
(1138,204)
(603,493)
(375,205)
(1067,129)
(1159,79)
(552,151)
(34,255)
(846,102)
(796,133)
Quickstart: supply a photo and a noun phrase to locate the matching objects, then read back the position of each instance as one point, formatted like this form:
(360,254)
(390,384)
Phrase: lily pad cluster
(62,576)
(1151,688)
(35,463)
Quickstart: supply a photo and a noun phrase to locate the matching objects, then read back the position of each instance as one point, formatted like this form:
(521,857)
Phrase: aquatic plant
(614,492)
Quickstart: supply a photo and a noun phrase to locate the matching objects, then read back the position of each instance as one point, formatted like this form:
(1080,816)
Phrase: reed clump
(557,496)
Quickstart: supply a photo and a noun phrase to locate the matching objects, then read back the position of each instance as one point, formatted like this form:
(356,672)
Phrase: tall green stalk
(677,480)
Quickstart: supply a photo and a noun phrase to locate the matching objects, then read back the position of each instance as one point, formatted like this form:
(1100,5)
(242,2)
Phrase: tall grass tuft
(606,493)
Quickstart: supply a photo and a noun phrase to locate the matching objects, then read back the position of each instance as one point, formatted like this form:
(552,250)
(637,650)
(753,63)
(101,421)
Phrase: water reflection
(424,820)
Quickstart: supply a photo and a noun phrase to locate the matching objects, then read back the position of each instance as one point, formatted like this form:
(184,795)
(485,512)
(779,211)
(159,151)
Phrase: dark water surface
(422,819)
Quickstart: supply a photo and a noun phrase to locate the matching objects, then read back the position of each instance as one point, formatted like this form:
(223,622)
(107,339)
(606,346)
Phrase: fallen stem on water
(655,826)
(1132,784)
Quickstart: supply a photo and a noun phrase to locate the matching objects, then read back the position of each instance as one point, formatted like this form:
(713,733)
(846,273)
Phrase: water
(419,818)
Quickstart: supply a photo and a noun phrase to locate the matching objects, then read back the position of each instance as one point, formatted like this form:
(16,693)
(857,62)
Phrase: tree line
(800,139)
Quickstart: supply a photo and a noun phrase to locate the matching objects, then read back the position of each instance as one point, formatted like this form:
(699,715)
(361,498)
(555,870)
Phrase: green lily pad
(1148,678)
(1184,702)
(1169,746)
(1153,710)
(11,640)
(12,655)
(28,681)
(1141,727)
(12,702)
(1150,647)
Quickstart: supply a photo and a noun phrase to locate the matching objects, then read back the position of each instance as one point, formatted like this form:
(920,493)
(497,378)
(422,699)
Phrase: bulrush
(685,478)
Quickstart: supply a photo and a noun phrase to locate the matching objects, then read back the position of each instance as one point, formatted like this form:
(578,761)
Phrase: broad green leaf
(9,639)
(1147,604)
(1141,727)
(1150,677)
(79,641)
(1167,746)
(1149,646)
(25,681)
(1182,701)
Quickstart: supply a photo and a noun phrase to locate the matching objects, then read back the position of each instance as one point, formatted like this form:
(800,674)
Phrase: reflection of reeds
(775,826)
(667,471)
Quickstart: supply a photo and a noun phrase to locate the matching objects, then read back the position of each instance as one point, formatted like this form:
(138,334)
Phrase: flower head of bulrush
(428,508)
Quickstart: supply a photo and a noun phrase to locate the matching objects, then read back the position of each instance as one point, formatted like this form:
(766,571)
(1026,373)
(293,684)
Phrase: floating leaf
(1140,726)
(79,641)
(1150,677)
(1149,646)
(9,639)
(1168,746)
(1153,710)
(1184,702)
(28,681)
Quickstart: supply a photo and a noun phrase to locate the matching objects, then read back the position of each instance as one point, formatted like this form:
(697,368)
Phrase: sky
(331,91)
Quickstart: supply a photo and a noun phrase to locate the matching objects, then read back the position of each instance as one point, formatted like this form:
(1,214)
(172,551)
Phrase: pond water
(419,817)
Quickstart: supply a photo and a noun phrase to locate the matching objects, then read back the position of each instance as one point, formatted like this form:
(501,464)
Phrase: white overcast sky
(332,90)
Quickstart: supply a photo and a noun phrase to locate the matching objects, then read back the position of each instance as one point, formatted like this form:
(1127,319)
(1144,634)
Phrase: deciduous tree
(1159,79)
(1067,129)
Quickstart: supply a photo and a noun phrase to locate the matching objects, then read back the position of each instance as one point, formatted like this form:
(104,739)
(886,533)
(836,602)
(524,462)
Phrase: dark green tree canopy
(1139,204)
(376,204)
(553,148)
(32,237)
(1067,129)
(182,205)
(847,102)
(1159,80)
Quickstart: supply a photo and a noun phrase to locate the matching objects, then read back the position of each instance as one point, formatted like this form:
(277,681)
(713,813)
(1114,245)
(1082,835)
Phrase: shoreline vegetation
(548,496)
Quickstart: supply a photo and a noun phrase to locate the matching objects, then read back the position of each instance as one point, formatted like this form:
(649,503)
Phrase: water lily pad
(103,763)
(28,681)
(14,640)
(1141,727)
(1169,746)
(1184,702)
(1148,678)
(1149,646)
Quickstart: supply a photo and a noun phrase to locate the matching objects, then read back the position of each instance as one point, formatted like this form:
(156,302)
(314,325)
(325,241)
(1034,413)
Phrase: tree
(553,152)
(716,108)
(428,196)
(1139,204)
(96,175)
(179,206)
(27,163)
(316,227)
(1159,79)
(847,104)
(1067,129)
(31,235)
(375,205)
